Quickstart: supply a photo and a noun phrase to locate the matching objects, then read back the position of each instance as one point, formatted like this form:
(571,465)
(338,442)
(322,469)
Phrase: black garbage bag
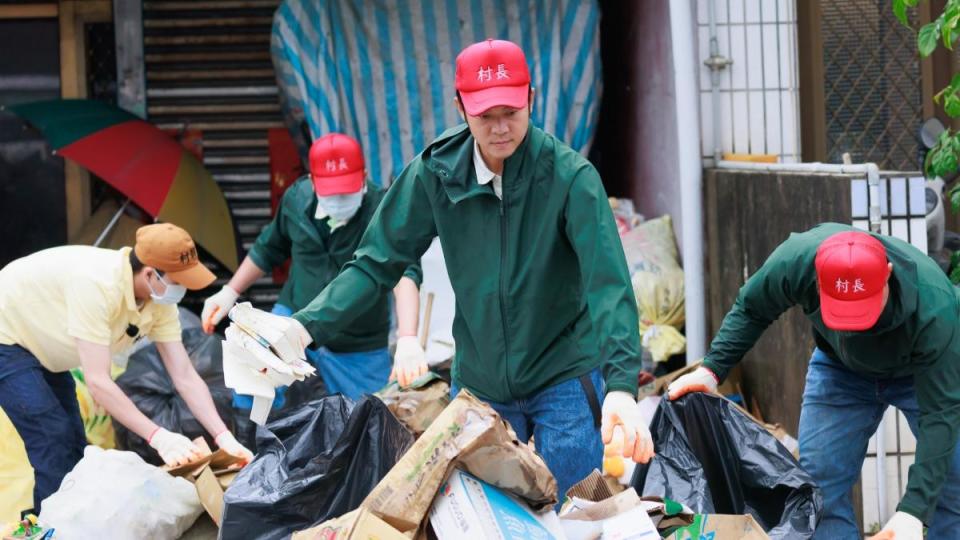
(318,462)
(148,385)
(298,393)
(716,460)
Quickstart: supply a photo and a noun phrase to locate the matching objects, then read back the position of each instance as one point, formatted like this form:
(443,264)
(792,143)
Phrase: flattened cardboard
(211,494)
(721,526)
(357,525)
(470,433)
(467,507)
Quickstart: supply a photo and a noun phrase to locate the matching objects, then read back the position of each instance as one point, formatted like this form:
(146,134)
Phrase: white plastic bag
(117,495)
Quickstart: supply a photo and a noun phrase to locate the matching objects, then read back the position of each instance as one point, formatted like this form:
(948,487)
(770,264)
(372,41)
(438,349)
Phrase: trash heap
(410,463)
(650,249)
(335,469)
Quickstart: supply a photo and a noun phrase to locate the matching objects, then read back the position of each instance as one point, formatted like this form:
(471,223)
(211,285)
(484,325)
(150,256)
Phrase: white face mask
(340,208)
(172,294)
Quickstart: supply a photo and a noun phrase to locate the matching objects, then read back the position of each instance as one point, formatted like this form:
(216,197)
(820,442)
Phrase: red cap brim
(481,101)
(338,185)
(851,315)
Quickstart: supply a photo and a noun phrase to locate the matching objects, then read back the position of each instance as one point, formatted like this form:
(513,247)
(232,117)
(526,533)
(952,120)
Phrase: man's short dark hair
(135,263)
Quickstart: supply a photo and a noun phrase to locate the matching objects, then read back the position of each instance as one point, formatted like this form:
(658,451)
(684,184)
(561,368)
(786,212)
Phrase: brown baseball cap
(170,249)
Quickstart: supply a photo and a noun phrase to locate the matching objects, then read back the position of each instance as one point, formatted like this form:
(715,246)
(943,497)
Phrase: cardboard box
(720,526)
(357,525)
(467,507)
(472,435)
(211,475)
(592,511)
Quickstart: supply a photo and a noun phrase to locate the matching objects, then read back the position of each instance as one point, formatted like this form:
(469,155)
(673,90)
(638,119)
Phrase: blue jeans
(560,419)
(43,407)
(841,410)
(352,374)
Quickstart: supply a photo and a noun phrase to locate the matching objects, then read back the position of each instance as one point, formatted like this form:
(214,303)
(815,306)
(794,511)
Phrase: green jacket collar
(450,159)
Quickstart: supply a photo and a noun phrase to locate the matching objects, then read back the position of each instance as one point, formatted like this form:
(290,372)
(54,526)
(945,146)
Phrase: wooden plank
(218,74)
(751,214)
(93,11)
(207,22)
(813,136)
(216,108)
(230,39)
(235,143)
(72,85)
(204,5)
(29,11)
(222,126)
(212,56)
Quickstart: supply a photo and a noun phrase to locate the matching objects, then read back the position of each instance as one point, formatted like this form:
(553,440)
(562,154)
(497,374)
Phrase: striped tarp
(382,71)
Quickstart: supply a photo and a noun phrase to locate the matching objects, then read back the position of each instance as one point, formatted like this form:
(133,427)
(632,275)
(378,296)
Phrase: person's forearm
(245,276)
(407,297)
(106,393)
(196,394)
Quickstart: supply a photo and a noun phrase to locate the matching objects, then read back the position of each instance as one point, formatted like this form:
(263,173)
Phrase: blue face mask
(172,293)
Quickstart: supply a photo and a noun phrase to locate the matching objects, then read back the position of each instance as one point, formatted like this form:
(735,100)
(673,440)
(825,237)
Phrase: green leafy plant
(944,158)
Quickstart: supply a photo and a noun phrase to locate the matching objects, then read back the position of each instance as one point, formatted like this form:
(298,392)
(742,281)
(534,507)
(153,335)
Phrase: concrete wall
(635,148)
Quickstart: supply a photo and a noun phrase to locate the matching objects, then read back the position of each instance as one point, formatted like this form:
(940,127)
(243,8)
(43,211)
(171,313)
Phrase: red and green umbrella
(143,163)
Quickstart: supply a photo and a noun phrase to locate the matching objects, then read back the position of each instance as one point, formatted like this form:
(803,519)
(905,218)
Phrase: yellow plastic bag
(657,278)
(97,423)
(16,474)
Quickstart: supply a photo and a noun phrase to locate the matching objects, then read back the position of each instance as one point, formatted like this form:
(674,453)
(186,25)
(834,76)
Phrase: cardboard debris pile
(211,475)
(418,404)
(591,511)
(260,353)
(468,476)
(468,435)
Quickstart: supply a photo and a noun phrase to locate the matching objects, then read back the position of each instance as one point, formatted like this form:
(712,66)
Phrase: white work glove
(216,307)
(302,334)
(701,380)
(174,448)
(620,409)
(409,361)
(901,526)
(232,446)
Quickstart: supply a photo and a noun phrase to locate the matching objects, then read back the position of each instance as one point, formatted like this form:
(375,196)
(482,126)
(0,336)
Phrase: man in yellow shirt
(76,306)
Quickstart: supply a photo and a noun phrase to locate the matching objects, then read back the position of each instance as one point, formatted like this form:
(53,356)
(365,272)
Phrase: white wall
(759,93)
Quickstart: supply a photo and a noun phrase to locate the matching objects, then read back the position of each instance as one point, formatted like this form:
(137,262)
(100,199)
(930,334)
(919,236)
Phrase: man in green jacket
(885,321)
(318,226)
(544,301)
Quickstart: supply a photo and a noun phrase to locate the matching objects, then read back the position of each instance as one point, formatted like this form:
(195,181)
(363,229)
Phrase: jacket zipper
(503,293)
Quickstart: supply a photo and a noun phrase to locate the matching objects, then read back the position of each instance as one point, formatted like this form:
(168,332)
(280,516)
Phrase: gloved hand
(302,334)
(620,409)
(232,446)
(409,361)
(174,448)
(701,380)
(216,307)
(902,526)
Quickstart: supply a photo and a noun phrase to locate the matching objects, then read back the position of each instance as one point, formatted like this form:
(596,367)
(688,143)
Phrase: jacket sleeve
(938,396)
(592,231)
(272,247)
(398,234)
(786,277)
(414,272)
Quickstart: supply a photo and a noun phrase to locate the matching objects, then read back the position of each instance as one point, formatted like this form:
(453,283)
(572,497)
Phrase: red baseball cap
(336,165)
(490,74)
(851,273)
